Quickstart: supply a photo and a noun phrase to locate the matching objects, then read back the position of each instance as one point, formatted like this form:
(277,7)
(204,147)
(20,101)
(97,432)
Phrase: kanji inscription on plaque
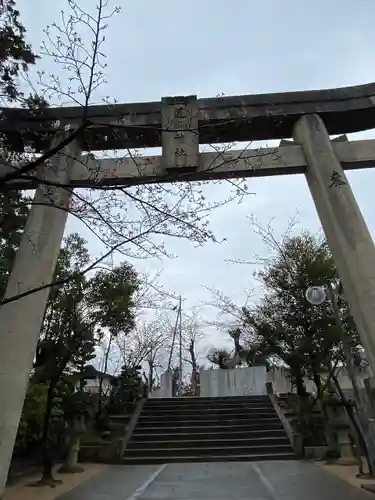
(180,139)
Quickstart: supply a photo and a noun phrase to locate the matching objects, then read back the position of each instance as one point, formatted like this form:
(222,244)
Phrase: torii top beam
(220,120)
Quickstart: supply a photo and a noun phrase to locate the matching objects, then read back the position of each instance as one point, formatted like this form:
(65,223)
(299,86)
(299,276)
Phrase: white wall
(249,381)
(282,384)
(165,389)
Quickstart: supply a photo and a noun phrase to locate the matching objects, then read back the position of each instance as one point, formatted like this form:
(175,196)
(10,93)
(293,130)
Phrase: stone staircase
(208,429)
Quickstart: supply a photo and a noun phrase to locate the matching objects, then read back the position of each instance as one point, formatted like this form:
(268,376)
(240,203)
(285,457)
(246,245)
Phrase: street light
(316,295)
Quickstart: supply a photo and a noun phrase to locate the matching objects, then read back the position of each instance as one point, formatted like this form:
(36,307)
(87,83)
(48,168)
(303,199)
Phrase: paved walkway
(217,481)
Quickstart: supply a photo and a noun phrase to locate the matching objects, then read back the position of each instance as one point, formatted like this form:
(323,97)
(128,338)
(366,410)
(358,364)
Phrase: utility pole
(174,334)
(180,354)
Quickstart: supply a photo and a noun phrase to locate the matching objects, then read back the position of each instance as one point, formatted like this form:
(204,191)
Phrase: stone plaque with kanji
(180,137)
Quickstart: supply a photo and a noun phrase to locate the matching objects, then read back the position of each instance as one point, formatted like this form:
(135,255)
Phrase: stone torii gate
(180,125)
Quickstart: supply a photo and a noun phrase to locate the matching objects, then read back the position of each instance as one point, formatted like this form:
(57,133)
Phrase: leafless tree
(228,313)
(131,220)
(151,295)
(75,46)
(150,301)
(273,243)
(191,336)
(146,346)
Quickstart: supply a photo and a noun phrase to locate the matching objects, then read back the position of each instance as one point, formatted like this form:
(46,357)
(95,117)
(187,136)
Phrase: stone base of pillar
(346,449)
(346,461)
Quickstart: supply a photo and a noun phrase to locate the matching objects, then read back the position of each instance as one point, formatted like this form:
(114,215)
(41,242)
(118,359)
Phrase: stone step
(119,418)
(217,426)
(210,419)
(147,460)
(192,401)
(211,450)
(207,401)
(205,434)
(207,424)
(206,409)
(214,409)
(193,442)
(208,429)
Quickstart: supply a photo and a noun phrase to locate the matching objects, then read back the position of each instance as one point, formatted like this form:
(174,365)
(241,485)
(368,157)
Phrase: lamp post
(316,295)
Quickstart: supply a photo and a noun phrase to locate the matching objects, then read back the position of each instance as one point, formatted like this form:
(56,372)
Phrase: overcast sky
(162,48)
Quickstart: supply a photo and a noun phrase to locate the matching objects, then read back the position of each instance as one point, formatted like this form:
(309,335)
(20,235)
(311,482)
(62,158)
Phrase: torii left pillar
(21,320)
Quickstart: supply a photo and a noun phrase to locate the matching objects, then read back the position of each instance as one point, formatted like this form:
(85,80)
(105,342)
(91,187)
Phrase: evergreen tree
(16,54)
(285,325)
(14,210)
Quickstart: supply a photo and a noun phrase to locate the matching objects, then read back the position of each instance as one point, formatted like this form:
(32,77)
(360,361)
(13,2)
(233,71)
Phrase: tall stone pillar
(21,320)
(347,235)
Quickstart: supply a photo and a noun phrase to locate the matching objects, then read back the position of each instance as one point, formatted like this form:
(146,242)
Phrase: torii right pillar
(347,235)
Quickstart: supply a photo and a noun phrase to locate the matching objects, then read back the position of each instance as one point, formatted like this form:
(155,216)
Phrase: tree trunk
(318,383)
(303,403)
(300,385)
(106,356)
(46,438)
(194,372)
(150,374)
(319,390)
(47,444)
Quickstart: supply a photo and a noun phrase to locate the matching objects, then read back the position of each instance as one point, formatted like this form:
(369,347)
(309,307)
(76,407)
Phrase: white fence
(249,381)
(165,389)
(282,384)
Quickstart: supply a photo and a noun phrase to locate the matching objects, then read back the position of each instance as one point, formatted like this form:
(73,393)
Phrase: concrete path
(217,481)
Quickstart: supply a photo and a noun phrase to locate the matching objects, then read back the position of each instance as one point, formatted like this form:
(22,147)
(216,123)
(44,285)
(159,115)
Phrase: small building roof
(90,372)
